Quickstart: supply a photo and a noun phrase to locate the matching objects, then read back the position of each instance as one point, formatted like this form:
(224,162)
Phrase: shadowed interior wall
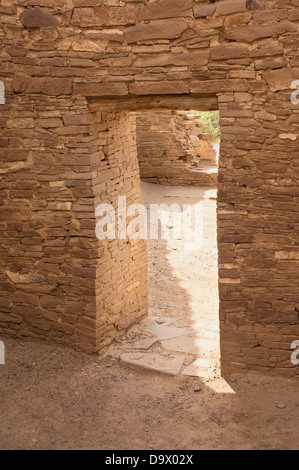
(121,286)
(173,150)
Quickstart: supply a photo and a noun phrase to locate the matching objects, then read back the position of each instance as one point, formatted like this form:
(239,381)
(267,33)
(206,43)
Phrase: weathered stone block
(218,86)
(159,88)
(101,89)
(257,4)
(160,60)
(38,18)
(227,7)
(166,9)
(90,17)
(13,155)
(156,30)
(202,10)
(280,79)
(251,33)
(45,86)
(273,63)
(229,51)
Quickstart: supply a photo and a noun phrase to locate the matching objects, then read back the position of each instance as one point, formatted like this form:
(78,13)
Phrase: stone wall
(173,150)
(63,65)
(57,280)
(122,275)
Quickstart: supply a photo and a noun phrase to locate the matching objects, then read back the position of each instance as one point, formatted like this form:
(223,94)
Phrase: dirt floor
(183,320)
(56,398)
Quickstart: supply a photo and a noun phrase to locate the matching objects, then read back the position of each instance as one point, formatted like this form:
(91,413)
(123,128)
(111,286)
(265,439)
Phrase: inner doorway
(183,279)
(183,284)
(182,328)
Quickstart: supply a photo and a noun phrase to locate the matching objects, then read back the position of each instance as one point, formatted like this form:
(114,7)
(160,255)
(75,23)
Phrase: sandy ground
(56,398)
(183,278)
(183,282)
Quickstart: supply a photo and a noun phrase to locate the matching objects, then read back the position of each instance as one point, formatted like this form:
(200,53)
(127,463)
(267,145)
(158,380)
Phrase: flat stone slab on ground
(191,345)
(145,343)
(164,332)
(199,368)
(165,320)
(169,364)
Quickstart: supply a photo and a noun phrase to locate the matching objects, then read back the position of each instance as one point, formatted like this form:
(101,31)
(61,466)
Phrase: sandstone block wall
(122,275)
(171,148)
(62,62)
(57,280)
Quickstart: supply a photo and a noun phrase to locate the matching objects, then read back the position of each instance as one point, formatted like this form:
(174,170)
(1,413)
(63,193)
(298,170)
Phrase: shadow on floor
(181,333)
